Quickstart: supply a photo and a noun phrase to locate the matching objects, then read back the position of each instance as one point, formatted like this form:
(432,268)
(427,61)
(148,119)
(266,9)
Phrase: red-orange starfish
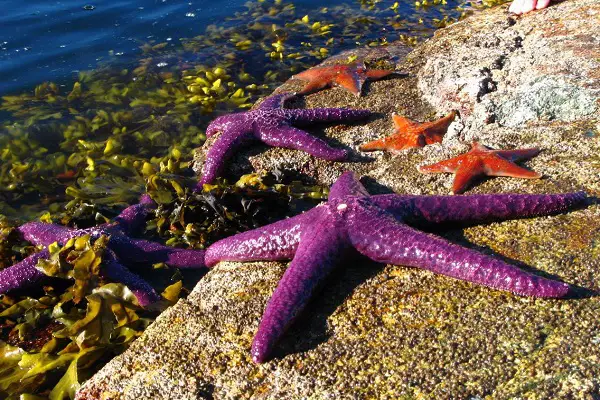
(481,160)
(349,76)
(409,134)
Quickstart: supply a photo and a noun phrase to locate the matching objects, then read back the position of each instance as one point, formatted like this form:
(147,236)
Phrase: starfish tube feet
(379,227)
(275,126)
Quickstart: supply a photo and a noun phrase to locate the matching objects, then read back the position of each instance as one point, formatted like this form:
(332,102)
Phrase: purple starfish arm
(376,234)
(40,233)
(294,138)
(129,220)
(273,125)
(23,274)
(112,269)
(347,185)
(277,241)
(468,209)
(322,245)
(221,151)
(306,117)
(139,250)
(133,217)
(235,121)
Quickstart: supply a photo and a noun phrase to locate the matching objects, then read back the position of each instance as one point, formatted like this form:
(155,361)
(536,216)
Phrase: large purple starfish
(25,274)
(273,125)
(380,227)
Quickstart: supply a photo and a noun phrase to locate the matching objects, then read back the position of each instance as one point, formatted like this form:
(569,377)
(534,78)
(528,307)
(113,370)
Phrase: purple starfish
(380,227)
(25,274)
(275,126)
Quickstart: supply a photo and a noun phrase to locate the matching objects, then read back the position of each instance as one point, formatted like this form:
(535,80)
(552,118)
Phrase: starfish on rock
(349,76)
(275,126)
(381,228)
(410,134)
(481,160)
(25,274)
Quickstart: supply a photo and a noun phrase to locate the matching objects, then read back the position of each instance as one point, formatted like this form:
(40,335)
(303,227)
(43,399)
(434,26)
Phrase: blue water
(44,40)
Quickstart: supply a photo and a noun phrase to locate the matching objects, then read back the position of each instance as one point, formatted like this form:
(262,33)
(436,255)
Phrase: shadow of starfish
(382,227)
(120,247)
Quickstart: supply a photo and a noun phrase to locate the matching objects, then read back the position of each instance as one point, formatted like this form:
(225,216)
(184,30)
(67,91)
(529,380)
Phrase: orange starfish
(349,76)
(412,134)
(481,160)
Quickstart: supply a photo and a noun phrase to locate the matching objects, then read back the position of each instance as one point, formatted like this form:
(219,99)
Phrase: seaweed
(52,342)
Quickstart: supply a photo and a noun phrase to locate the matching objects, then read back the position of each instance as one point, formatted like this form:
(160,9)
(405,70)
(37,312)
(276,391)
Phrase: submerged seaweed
(77,154)
(53,341)
(112,127)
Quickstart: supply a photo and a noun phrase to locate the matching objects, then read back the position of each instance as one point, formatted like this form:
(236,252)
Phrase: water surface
(53,40)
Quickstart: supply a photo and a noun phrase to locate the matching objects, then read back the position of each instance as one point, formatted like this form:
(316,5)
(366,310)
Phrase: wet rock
(380,331)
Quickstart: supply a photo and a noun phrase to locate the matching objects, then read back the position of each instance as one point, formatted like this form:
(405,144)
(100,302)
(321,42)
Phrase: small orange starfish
(349,76)
(409,134)
(481,160)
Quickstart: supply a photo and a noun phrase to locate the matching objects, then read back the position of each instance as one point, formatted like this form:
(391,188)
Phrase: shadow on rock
(310,329)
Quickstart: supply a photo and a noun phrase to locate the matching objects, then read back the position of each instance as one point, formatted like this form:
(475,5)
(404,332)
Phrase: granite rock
(379,331)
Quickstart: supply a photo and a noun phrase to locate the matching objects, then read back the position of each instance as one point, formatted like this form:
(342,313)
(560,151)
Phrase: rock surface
(380,331)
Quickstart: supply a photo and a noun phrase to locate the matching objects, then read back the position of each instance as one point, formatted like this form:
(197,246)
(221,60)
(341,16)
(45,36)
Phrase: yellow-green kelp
(57,336)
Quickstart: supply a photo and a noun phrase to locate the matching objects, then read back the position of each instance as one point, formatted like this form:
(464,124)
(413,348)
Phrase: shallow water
(52,40)
(158,72)
(44,40)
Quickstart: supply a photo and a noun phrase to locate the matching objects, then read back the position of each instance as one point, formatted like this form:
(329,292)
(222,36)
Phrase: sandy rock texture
(378,331)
